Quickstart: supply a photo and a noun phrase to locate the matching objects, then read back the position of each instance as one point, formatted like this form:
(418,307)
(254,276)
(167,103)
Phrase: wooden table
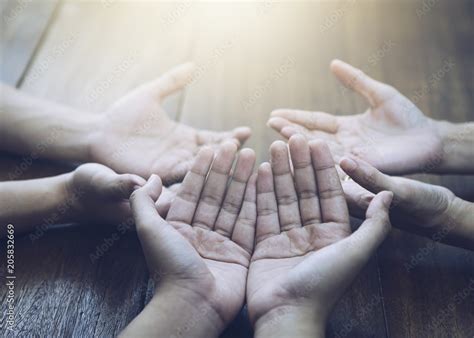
(251,59)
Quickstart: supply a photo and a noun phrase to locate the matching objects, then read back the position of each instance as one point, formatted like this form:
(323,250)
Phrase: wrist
(456,147)
(458,227)
(93,124)
(176,313)
(291,321)
(70,199)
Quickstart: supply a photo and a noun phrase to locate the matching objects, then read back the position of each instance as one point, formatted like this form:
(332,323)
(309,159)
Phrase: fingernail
(152,178)
(348,163)
(271,122)
(387,198)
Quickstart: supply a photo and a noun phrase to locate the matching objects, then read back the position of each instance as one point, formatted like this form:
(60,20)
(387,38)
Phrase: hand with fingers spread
(305,256)
(137,136)
(200,254)
(425,209)
(393,134)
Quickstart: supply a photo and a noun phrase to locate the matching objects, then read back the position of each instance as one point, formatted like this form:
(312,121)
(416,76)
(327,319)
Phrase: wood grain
(252,58)
(22,27)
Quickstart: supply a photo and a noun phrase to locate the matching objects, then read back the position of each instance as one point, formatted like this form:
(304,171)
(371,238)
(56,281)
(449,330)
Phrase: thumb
(122,186)
(374,229)
(173,80)
(142,202)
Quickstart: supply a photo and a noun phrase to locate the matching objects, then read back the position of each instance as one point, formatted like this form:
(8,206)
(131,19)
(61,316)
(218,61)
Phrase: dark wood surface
(251,58)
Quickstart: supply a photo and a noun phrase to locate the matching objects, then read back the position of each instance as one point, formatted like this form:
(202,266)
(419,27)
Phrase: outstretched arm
(421,208)
(41,128)
(393,134)
(92,193)
(135,135)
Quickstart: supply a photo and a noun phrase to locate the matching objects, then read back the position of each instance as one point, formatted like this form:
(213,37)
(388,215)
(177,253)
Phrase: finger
(244,230)
(155,234)
(235,193)
(184,205)
(239,135)
(121,186)
(171,81)
(310,120)
(358,198)
(369,177)
(376,225)
(340,262)
(353,78)
(288,209)
(164,201)
(287,129)
(213,193)
(305,180)
(331,196)
(268,223)
(142,202)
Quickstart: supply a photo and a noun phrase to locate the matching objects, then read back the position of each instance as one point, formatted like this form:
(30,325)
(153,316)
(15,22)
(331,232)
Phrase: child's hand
(199,255)
(305,256)
(95,193)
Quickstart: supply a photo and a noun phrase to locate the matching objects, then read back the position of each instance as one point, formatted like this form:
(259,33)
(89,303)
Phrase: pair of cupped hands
(281,239)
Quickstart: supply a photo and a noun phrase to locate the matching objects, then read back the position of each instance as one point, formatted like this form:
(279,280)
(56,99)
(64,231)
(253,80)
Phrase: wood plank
(252,58)
(22,26)
(92,55)
(424,300)
(258,57)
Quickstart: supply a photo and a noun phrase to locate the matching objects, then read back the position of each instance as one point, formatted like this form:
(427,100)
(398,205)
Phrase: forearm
(459,226)
(170,314)
(30,203)
(290,322)
(41,128)
(457,148)
(455,227)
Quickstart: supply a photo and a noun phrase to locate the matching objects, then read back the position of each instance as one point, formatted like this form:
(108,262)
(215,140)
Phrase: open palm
(393,134)
(137,136)
(302,227)
(204,246)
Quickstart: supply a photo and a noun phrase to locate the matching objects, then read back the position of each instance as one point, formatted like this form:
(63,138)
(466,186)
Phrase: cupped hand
(393,134)
(203,248)
(137,136)
(305,255)
(418,207)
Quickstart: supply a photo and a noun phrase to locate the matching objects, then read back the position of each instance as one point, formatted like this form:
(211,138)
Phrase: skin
(297,272)
(421,208)
(386,133)
(135,135)
(199,255)
(92,193)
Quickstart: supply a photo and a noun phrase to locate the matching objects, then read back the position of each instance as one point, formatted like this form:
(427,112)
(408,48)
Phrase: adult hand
(135,134)
(200,255)
(425,209)
(393,134)
(305,257)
